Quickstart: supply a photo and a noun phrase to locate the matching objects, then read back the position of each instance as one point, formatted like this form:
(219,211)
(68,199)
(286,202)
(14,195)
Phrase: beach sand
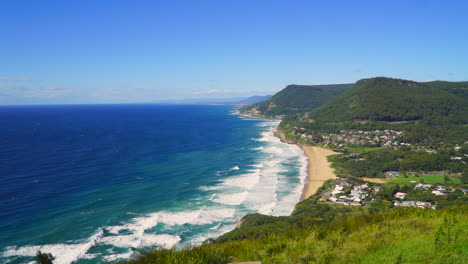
(319,169)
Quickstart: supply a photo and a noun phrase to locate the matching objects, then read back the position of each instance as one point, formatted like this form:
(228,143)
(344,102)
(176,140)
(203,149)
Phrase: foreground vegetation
(394,236)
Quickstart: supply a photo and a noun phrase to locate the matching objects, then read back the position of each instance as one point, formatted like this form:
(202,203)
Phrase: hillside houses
(356,193)
(423,186)
(391,174)
(376,138)
(441,190)
(345,193)
(417,204)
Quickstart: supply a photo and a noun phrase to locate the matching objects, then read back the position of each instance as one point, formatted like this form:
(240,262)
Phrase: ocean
(97,183)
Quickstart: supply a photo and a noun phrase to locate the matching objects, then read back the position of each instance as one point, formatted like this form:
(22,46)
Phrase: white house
(400,195)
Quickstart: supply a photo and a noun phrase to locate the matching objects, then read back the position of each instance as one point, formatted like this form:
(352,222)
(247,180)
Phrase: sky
(98,51)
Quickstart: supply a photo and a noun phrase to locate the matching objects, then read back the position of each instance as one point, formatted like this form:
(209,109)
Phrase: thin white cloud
(16,90)
(210,91)
(13,78)
(109,94)
(54,91)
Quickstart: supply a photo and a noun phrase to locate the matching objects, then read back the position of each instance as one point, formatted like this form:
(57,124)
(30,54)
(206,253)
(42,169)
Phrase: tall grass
(396,236)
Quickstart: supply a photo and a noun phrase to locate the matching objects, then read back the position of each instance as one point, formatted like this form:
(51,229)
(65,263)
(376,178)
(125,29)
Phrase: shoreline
(318,169)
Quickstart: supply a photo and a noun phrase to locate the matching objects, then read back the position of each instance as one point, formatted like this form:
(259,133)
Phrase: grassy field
(397,236)
(359,149)
(433,179)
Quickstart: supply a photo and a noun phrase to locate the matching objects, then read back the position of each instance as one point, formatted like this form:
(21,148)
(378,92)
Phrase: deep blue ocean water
(95,183)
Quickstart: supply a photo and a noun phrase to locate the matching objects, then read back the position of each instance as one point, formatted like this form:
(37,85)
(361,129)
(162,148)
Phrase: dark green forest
(386,99)
(297,99)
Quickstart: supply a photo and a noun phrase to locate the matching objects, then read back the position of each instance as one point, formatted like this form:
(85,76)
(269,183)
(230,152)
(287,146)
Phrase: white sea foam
(115,257)
(246,181)
(265,137)
(261,184)
(268,123)
(234,168)
(274,150)
(138,237)
(210,188)
(286,204)
(259,165)
(196,217)
(63,253)
(216,227)
(141,240)
(231,199)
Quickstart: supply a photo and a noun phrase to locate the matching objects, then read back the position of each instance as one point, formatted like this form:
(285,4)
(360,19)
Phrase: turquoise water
(96,183)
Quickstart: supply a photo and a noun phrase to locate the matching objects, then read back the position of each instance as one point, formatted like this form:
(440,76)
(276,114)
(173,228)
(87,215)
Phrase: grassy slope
(396,236)
(433,179)
(298,99)
(394,100)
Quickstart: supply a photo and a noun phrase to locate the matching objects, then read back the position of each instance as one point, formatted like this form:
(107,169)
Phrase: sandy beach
(319,169)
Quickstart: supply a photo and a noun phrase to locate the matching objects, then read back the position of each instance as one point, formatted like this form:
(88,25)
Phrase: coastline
(318,169)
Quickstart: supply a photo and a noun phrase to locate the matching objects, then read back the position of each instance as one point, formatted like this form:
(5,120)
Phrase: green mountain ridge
(296,99)
(387,99)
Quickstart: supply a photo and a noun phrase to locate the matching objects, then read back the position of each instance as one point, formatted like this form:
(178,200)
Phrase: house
(325,197)
(423,186)
(391,174)
(400,195)
(409,203)
(423,204)
(440,190)
(338,189)
(418,204)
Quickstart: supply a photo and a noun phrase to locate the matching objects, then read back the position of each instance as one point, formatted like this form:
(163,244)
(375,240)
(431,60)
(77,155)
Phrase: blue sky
(139,51)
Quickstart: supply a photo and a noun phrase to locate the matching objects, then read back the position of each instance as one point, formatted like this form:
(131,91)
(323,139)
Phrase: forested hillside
(296,99)
(386,99)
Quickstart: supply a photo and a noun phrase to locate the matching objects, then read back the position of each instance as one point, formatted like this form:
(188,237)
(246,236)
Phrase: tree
(44,258)
(464,176)
(446,179)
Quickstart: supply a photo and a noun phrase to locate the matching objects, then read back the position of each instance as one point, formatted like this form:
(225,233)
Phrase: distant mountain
(296,99)
(387,99)
(253,99)
(217,101)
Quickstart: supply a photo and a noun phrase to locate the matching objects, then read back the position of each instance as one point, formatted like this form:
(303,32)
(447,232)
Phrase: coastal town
(386,138)
(375,138)
(350,192)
